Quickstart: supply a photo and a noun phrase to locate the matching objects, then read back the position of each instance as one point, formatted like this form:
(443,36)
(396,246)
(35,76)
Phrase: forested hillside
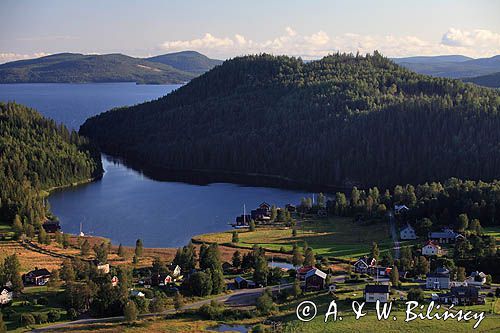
(188,61)
(341,120)
(36,154)
(490,80)
(80,68)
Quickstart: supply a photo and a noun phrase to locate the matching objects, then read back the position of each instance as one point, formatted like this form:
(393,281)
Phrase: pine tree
(17,227)
(138,248)
(394,276)
(85,248)
(296,289)
(235,238)
(178,301)
(309,258)
(375,252)
(130,312)
(3,327)
(121,251)
(297,257)
(236,260)
(252,225)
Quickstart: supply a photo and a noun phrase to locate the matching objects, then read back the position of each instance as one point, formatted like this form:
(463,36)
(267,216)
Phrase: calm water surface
(126,205)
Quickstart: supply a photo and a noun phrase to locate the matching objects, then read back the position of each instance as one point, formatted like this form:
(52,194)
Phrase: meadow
(332,237)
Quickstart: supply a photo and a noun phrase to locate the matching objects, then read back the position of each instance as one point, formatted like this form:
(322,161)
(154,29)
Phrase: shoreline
(209,176)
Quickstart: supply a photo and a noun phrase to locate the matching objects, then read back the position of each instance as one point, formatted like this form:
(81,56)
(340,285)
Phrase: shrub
(42,301)
(72,313)
(416,294)
(54,315)
(40,317)
(212,311)
(130,312)
(27,319)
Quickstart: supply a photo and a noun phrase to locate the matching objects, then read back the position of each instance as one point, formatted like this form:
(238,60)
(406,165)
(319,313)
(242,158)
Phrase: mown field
(371,324)
(333,237)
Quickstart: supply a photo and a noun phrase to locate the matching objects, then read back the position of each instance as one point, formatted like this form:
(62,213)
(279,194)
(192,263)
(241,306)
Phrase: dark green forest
(343,120)
(37,154)
(490,80)
(80,68)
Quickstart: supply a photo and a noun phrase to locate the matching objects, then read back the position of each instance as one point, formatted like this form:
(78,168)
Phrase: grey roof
(377,288)
(443,234)
(317,272)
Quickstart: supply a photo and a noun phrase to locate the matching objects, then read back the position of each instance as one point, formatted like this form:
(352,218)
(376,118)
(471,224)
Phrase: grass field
(370,323)
(27,303)
(333,237)
(493,231)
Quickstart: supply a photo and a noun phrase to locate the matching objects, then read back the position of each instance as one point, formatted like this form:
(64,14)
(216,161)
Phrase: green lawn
(370,323)
(27,303)
(493,231)
(333,237)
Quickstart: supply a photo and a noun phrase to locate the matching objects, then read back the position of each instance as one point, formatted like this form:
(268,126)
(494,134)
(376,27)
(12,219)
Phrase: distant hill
(454,66)
(80,68)
(188,61)
(490,80)
(338,121)
(432,59)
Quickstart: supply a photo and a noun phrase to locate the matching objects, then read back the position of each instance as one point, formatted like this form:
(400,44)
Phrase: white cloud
(10,56)
(478,38)
(475,43)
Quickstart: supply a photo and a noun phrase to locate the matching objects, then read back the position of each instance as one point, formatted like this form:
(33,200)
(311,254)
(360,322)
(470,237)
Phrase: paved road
(243,297)
(394,234)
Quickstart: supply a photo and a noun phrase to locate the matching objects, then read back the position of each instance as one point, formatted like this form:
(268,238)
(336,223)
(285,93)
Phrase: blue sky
(223,29)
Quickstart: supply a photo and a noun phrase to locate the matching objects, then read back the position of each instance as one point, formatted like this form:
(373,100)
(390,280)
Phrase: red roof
(305,269)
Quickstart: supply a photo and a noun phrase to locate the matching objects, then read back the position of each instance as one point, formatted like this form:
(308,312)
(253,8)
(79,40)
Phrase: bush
(258,329)
(41,317)
(130,312)
(27,319)
(212,311)
(72,313)
(416,294)
(148,293)
(265,303)
(54,315)
(42,301)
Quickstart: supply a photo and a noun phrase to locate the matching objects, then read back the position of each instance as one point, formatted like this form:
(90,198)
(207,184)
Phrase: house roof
(438,275)
(317,272)
(305,269)
(239,279)
(446,233)
(431,243)
(467,291)
(377,288)
(39,272)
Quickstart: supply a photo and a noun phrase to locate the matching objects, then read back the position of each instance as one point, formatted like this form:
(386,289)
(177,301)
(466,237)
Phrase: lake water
(125,204)
(72,104)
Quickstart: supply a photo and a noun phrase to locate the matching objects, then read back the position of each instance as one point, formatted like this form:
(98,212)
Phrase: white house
(375,293)
(476,279)
(6,295)
(440,279)
(407,233)
(431,249)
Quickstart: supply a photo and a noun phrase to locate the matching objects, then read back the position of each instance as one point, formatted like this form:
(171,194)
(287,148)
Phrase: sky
(223,28)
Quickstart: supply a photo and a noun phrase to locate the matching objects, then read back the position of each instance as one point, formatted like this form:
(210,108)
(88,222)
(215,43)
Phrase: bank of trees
(37,154)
